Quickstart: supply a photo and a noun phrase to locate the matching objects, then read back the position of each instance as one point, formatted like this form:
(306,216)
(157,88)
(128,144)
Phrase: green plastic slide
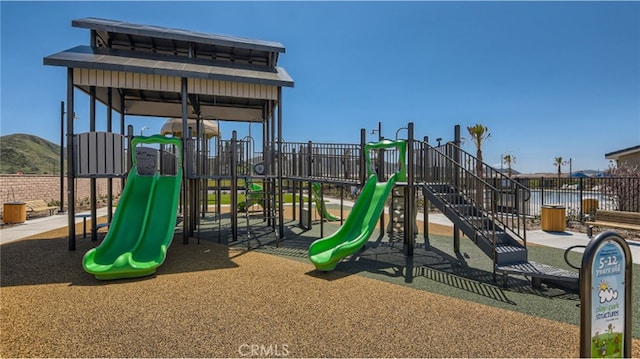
(143,225)
(254,196)
(325,253)
(320,207)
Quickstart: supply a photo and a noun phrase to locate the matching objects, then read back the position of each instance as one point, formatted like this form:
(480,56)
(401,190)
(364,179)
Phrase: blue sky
(548,79)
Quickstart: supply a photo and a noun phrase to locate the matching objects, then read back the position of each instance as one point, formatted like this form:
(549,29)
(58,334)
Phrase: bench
(84,217)
(616,219)
(41,205)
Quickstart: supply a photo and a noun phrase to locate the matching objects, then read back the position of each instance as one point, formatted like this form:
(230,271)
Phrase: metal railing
(495,196)
(321,161)
(581,196)
(342,163)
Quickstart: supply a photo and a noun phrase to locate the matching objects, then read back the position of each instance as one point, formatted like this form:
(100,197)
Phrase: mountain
(28,154)
(506,171)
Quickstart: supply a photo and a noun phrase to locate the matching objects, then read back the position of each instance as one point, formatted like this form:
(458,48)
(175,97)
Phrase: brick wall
(47,187)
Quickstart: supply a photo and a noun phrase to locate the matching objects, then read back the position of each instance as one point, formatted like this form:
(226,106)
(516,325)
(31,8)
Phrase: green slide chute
(254,196)
(143,225)
(325,253)
(320,207)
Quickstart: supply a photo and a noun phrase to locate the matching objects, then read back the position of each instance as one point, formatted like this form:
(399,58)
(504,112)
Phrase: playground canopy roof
(173,126)
(229,78)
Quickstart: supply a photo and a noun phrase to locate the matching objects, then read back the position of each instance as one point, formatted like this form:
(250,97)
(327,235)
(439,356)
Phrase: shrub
(624,186)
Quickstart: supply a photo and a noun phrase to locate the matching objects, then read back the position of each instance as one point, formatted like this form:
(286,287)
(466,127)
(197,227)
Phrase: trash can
(589,205)
(14,212)
(304,217)
(553,218)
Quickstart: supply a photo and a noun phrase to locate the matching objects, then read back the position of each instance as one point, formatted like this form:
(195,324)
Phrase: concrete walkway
(42,224)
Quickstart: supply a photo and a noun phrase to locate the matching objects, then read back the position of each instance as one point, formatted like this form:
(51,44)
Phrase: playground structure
(191,81)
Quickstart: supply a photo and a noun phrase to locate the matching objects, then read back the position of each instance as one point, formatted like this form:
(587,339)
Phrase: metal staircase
(487,206)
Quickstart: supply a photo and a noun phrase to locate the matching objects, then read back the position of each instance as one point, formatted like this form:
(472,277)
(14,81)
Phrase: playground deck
(214,300)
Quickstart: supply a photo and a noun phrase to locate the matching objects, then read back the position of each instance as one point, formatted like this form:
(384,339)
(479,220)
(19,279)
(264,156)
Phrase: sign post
(605,298)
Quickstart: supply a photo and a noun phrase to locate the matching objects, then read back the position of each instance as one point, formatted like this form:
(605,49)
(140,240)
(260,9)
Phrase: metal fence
(578,195)
(342,163)
(321,161)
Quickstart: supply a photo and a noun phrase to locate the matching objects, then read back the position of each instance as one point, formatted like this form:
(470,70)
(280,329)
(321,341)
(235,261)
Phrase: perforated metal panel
(100,154)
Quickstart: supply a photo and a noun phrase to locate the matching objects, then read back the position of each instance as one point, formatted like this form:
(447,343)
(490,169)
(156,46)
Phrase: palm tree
(479,134)
(558,162)
(508,160)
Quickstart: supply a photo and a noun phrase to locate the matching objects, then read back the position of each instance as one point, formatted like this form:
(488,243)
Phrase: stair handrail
(515,186)
(470,173)
(519,229)
(462,178)
(493,171)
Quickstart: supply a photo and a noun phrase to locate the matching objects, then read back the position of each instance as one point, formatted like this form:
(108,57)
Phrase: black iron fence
(582,196)
(342,163)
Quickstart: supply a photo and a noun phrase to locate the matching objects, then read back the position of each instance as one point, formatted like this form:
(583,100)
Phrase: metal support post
(94,192)
(70,164)
(456,158)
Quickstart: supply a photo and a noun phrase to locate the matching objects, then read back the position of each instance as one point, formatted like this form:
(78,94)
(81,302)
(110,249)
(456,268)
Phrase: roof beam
(160,109)
(132,45)
(195,103)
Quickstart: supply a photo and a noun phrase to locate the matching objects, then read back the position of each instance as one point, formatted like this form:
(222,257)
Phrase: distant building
(625,157)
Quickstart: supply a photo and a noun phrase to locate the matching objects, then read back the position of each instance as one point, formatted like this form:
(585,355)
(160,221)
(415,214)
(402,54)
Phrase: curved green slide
(320,207)
(254,196)
(143,225)
(325,253)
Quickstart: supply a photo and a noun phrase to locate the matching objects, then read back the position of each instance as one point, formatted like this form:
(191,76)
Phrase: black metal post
(456,157)
(581,185)
(279,161)
(409,211)
(294,160)
(109,180)
(185,185)
(363,165)
(61,210)
(381,174)
(234,187)
(425,201)
(122,106)
(321,199)
(309,183)
(94,192)
(70,164)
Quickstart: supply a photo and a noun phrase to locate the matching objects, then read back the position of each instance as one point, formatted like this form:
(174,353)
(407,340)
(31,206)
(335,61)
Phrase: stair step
(472,221)
(538,270)
(480,223)
(509,249)
(439,187)
(502,238)
(507,254)
(464,209)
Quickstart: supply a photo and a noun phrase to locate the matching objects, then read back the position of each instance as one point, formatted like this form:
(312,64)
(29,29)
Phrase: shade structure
(579,175)
(173,126)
